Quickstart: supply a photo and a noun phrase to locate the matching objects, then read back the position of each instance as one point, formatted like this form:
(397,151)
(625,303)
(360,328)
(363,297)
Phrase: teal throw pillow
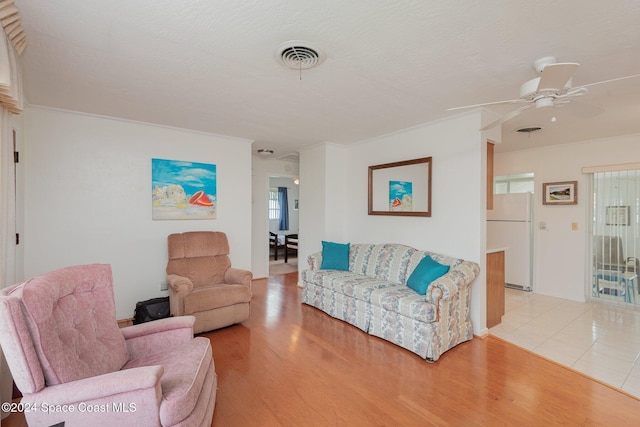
(335,256)
(426,272)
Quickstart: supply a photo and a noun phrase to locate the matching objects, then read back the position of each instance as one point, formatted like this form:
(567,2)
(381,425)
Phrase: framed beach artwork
(560,193)
(401,188)
(401,196)
(183,190)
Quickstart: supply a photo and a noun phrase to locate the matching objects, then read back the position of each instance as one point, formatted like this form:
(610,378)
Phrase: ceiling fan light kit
(265,152)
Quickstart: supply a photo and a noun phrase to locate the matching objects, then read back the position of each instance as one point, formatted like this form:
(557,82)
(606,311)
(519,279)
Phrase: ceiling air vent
(299,55)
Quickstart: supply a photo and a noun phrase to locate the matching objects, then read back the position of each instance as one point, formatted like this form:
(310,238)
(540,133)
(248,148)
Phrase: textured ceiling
(209,65)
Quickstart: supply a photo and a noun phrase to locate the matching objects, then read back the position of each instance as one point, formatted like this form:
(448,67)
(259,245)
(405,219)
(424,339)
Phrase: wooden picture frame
(560,193)
(401,188)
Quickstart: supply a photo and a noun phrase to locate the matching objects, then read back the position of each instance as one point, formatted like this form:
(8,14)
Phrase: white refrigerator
(510,226)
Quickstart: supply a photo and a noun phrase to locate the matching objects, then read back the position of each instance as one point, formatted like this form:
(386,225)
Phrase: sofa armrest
(447,286)
(239,276)
(149,337)
(315,260)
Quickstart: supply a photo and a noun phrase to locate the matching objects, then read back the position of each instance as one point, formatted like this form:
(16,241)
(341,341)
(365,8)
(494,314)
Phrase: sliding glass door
(615,242)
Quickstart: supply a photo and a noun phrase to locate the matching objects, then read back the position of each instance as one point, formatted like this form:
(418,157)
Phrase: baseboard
(483,334)
(125,322)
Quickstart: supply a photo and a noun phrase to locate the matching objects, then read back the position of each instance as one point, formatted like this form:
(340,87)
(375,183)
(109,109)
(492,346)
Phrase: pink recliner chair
(74,365)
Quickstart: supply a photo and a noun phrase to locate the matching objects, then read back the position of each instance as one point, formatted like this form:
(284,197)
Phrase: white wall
(559,253)
(88,197)
(456,226)
(262,171)
(324,191)
(6,379)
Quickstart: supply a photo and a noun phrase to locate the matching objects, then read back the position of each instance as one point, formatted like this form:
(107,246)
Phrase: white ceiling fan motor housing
(529,89)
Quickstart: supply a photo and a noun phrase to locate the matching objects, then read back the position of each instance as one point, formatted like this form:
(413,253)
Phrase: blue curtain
(284,208)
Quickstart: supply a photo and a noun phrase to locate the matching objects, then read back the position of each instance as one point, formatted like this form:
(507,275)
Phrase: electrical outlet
(574,226)
(163,285)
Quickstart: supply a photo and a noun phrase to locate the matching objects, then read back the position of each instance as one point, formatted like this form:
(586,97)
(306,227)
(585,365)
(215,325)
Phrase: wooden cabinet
(495,287)
(489,175)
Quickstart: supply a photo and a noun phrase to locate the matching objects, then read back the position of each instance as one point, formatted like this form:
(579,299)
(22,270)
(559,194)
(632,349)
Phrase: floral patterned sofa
(373,295)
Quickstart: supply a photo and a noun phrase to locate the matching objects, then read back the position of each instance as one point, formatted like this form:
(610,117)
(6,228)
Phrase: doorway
(283,224)
(615,241)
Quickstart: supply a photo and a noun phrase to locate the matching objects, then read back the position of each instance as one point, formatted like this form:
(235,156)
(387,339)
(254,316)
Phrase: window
(520,183)
(274,204)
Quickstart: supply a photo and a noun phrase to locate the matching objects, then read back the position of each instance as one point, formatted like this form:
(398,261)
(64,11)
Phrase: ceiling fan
(552,89)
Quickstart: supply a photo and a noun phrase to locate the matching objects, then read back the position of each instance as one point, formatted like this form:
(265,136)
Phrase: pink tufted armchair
(202,282)
(74,365)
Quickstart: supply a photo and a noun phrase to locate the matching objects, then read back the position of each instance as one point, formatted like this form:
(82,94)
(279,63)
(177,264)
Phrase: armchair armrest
(146,338)
(179,284)
(239,276)
(101,386)
(124,397)
(179,288)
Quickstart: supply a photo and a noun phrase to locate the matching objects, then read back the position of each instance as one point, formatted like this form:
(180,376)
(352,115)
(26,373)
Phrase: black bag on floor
(152,309)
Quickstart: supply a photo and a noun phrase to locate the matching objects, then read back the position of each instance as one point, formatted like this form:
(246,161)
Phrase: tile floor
(600,339)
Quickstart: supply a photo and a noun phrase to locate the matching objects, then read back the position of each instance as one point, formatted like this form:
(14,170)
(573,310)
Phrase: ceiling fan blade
(510,101)
(507,117)
(611,80)
(556,76)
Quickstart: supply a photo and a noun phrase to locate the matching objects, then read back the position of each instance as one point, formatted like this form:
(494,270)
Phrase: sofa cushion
(335,256)
(347,283)
(384,261)
(426,272)
(404,301)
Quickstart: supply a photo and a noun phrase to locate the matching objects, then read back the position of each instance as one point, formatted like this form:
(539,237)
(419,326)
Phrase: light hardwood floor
(292,365)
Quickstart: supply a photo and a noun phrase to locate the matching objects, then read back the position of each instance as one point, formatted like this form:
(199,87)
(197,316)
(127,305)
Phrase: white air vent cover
(299,55)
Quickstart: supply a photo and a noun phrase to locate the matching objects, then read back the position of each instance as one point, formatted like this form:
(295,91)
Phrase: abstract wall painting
(183,190)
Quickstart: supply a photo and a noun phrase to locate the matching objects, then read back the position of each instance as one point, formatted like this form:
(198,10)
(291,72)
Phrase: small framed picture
(618,215)
(560,193)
